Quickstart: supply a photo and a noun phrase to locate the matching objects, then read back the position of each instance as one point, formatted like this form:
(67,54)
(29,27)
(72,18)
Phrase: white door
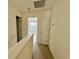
(44,31)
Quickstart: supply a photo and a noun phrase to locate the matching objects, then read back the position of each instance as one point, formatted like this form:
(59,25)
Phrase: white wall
(59,33)
(23,49)
(12,36)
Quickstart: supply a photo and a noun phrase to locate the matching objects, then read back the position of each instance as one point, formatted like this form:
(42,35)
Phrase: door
(44,31)
(19,28)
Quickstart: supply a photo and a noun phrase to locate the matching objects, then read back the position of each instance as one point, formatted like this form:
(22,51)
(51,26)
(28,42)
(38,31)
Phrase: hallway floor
(41,51)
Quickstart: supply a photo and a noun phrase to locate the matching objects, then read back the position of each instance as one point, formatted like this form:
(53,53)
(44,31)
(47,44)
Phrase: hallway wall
(59,31)
(12,36)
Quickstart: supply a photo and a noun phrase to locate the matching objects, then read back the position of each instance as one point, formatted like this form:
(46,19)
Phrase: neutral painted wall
(59,30)
(42,16)
(23,49)
(27,51)
(12,36)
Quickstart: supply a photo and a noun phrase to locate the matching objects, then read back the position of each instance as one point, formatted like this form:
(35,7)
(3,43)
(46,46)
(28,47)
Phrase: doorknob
(53,24)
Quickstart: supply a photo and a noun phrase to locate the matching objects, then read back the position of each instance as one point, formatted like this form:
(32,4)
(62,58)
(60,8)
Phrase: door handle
(53,24)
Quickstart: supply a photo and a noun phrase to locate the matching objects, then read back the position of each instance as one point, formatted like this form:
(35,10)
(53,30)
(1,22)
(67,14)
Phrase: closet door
(44,33)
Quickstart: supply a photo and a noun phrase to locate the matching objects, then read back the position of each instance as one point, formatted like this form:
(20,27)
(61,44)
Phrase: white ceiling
(23,5)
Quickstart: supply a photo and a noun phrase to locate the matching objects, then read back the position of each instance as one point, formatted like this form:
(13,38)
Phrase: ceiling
(28,5)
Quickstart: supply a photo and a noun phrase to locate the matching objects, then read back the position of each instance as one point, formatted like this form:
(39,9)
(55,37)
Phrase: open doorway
(32,28)
(19,28)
